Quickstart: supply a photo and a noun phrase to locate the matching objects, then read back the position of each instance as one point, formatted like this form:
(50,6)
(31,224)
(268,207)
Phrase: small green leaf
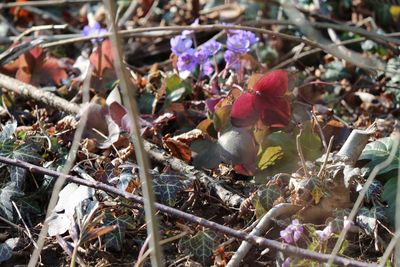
(286,163)
(166,188)
(201,246)
(378,151)
(269,157)
(205,154)
(310,142)
(116,238)
(222,118)
(177,94)
(267,195)
(173,83)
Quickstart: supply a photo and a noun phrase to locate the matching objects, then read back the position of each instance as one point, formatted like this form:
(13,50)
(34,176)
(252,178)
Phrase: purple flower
(231,59)
(201,56)
(207,68)
(287,236)
(286,263)
(323,235)
(187,61)
(180,44)
(93,29)
(297,229)
(212,47)
(293,232)
(245,35)
(189,32)
(238,44)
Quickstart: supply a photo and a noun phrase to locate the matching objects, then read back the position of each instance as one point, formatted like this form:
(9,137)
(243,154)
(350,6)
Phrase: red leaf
(35,68)
(244,112)
(276,113)
(101,58)
(273,84)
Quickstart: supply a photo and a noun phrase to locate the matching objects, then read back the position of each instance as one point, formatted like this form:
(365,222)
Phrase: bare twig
(43,96)
(255,240)
(39,28)
(45,3)
(141,155)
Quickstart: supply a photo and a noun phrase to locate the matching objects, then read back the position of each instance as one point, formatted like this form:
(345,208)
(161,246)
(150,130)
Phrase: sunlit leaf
(378,151)
(269,157)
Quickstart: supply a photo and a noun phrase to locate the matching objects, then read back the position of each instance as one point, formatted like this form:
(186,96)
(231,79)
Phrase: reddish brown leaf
(101,58)
(276,113)
(38,69)
(273,84)
(178,149)
(244,111)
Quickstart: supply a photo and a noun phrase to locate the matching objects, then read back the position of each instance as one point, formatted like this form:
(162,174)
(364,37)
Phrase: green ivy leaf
(267,195)
(378,151)
(166,188)
(201,246)
(8,131)
(116,238)
(25,152)
(9,193)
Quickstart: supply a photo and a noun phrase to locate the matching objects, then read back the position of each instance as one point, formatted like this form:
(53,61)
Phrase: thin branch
(255,240)
(156,253)
(200,28)
(45,3)
(43,96)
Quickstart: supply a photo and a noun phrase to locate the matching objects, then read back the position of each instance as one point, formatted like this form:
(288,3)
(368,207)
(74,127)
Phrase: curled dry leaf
(179,145)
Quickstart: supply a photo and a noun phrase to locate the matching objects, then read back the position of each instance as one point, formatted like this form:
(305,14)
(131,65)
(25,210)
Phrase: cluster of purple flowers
(238,42)
(293,232)
(189,58)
